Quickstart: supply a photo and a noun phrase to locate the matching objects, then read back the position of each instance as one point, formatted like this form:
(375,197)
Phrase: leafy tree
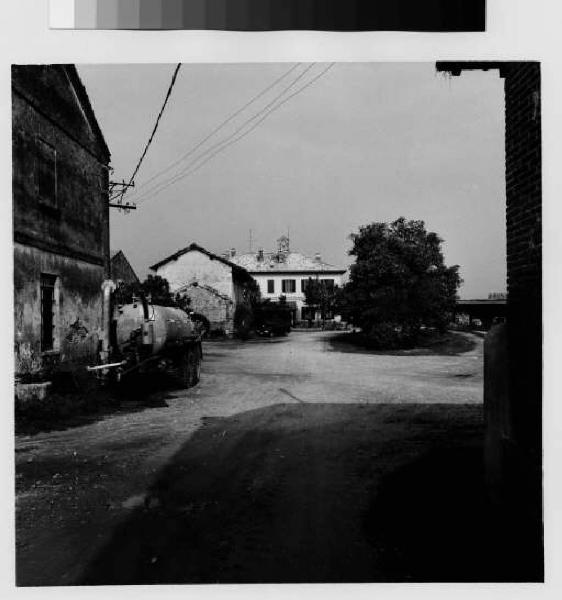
(322,295)
(252,293)
(155,288)
(399,282)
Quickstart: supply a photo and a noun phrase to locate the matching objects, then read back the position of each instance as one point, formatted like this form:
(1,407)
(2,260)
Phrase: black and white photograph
(277,322)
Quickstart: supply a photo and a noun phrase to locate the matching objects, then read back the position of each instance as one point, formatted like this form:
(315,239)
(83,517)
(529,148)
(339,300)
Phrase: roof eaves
(197,247)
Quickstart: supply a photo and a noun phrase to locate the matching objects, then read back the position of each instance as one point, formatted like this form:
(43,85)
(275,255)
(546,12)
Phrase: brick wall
(524,239)
(514,410)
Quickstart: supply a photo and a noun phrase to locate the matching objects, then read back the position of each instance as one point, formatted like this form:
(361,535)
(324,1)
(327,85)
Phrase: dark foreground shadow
(441,528)
(322,493)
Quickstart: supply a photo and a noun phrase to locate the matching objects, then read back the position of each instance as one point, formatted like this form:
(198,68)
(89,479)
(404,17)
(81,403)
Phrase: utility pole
(116,192)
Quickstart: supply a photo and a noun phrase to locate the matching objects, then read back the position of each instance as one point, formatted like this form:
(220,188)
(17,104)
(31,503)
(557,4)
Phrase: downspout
(108,286)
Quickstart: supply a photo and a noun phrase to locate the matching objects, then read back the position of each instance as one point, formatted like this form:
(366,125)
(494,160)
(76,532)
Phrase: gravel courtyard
(295,459)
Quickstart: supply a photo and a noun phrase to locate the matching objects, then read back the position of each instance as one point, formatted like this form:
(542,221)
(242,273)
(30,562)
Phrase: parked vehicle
(146,337)
(272,319)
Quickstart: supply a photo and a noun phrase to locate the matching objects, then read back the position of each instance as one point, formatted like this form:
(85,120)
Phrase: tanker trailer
(147,337)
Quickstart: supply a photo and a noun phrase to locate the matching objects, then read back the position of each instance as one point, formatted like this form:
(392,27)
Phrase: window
(46,173)
(329,284)
(47,312)
(288,286)
(304,285)
(271,286)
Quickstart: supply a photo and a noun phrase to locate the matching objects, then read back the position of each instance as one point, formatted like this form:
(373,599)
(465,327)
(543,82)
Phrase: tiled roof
(193,246)
(283,262)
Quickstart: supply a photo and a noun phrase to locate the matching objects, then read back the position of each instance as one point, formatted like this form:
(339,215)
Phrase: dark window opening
(47,312)
(304,285)
(271,286)
(288,286)
(46,172)
(329,284)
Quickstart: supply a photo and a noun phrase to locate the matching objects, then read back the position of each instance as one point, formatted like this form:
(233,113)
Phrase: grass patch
(430,344)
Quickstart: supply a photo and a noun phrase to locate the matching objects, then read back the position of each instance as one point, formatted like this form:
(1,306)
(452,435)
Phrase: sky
(353,144)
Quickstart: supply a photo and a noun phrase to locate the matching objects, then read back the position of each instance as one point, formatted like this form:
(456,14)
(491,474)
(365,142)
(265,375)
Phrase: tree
(321,295)
(155,288)
(399,282)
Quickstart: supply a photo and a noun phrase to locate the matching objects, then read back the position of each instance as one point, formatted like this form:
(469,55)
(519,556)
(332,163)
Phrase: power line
(221,146)
(231,139)
(147,146)
(224,146)
(157,186)
(271,110)
(221,125)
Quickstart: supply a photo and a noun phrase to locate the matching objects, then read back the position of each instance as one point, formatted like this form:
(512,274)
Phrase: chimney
(232,252)
(260,255)
(318,257)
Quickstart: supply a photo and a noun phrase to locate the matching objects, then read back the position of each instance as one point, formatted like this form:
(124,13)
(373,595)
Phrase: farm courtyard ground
(296,459)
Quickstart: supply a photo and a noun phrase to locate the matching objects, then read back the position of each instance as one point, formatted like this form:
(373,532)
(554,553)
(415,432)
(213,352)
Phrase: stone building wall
(217,308)
(62,235)
(78,310)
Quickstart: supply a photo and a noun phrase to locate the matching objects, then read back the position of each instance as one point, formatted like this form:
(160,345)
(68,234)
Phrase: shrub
(389,336)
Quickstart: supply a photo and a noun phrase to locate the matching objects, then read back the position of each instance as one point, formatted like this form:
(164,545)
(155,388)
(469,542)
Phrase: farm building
(60,220)
(218,288)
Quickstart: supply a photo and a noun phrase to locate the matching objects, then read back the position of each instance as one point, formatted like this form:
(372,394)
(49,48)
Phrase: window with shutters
(48,307)
(288,286)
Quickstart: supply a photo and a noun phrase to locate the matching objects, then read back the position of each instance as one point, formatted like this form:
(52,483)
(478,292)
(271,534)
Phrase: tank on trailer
(148,337)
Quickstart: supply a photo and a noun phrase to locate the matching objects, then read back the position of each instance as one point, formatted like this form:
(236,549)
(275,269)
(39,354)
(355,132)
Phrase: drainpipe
(108,286)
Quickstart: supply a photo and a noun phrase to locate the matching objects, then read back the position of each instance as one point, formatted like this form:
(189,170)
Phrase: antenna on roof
(251,244)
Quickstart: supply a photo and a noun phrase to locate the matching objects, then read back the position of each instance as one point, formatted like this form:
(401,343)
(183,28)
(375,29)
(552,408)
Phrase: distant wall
(197,266)
(121,269)
(218,309)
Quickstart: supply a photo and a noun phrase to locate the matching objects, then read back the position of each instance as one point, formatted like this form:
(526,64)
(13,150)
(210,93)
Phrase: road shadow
(297,493)
(449,344)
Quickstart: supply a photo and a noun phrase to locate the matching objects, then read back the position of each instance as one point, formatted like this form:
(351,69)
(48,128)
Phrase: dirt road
(294,460)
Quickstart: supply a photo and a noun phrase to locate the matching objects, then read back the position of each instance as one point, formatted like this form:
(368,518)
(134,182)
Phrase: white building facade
(286,273)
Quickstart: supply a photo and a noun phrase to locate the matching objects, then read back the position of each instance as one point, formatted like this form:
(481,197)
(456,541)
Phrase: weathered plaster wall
(78,309)
(64,234)
(196,266)
(219,310)
(79,224)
